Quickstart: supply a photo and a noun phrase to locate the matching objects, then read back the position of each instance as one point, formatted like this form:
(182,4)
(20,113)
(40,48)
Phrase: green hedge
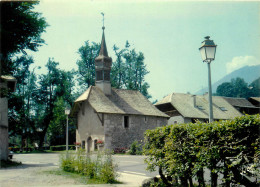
(227,147)
(62,147)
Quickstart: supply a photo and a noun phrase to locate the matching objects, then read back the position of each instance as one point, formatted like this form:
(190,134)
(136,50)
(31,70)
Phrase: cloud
(241,61)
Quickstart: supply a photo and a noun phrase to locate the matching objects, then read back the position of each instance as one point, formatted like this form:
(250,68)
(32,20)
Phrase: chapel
(109,117)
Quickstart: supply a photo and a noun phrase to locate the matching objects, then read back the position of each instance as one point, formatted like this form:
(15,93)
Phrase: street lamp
(208,51)
(67,112)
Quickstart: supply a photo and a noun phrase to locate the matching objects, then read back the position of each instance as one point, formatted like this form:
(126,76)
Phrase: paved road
(131,171)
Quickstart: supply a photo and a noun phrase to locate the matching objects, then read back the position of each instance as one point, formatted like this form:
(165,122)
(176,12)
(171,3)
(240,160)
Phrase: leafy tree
(21,102)
(128,70)
(86,64)
(20,29)
(236,88)
(55,84)
(255,88)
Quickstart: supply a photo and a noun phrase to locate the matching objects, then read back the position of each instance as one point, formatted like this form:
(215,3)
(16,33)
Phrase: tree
(86,64)
(255,88)
(56,83)
(20,29)
(236,88)
(128,71)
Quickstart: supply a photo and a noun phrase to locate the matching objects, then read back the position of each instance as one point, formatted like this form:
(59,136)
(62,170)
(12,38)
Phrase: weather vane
(103,20)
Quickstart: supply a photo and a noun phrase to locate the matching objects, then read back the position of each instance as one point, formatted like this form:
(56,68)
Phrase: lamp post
(67,112)
(208,51)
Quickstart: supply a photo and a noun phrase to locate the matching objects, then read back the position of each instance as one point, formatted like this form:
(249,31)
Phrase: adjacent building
(7,84)
(243,105)
(186,108)
(116,117)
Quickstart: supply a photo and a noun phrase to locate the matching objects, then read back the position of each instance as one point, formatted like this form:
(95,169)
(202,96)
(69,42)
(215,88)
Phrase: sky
(169,33)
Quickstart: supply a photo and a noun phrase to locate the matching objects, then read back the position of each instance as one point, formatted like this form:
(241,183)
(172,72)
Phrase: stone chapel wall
(117,136)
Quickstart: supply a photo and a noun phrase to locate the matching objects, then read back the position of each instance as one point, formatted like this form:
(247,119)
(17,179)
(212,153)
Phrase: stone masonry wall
(116,136)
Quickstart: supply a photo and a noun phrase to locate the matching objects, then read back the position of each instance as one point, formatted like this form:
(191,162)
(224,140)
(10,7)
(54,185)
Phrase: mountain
(248,73)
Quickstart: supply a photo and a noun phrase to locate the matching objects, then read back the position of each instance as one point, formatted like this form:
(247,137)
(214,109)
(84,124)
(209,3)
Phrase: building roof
(10,80)
(255,98)
(103,54)
(197,106)
(238,102)
(128,102)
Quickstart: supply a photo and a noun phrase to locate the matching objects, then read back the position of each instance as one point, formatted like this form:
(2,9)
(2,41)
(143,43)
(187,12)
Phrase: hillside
(248,73)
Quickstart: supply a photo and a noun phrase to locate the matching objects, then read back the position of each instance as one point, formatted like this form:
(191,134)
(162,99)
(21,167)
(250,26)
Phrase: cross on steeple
(103,20)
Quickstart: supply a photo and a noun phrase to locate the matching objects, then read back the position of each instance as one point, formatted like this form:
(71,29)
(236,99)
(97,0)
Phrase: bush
(135,148)
(100,167)
(62,147)
(230,147)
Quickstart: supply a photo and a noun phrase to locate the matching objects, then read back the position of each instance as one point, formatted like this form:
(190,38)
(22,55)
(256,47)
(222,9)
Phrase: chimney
(194,101)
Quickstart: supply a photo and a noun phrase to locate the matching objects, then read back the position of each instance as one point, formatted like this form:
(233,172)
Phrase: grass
(39,151)
(77,177)
(9,163)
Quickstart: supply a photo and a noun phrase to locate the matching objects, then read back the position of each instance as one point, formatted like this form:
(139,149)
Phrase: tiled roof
(240,102)
(120,101)
(197,106)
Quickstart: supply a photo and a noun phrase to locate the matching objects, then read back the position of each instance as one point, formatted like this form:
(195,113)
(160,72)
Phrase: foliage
(86,64)
(229,147)
(21,29)
(239,88)
(100,167)
(135,148)
(62,147)
(128,71)
(37,107)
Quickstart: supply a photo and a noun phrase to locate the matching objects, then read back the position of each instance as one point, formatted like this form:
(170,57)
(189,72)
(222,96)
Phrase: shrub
(228,147)
(135,148)
(100,167)
(62,147)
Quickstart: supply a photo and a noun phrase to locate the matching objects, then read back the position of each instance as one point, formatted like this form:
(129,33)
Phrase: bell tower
(103,65)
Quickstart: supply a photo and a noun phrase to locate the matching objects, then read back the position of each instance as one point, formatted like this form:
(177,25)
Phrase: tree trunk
(184,182)
(164,179)
(190,182)
(226,171)
(200,176)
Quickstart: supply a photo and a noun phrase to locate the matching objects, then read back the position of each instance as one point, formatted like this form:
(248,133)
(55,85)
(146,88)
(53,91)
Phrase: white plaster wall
(89,125)
(174,119)
(179,119)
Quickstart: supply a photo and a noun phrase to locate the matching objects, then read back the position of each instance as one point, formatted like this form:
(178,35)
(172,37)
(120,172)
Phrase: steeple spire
(103,65)
(103,47)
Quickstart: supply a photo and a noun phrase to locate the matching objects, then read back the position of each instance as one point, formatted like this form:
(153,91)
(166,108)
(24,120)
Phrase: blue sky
(169,34)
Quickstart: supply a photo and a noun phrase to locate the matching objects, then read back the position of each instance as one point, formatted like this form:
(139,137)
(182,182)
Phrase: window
(200,107)
(99,75)
(126,121)
(107,75)
(145,118)
(223,108)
